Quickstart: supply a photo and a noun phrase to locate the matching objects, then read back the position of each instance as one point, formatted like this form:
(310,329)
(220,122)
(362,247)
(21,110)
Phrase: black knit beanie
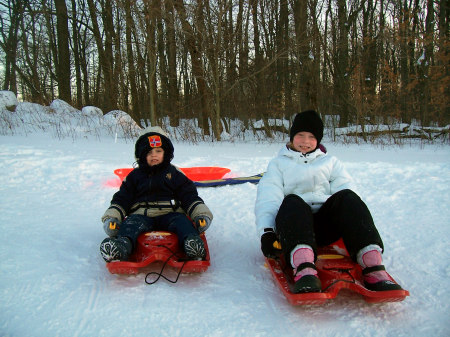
(151,140)
(309,121)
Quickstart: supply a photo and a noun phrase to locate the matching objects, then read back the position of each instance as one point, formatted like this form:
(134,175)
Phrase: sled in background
(194,173)
(202,176)
(336,271)
(159,246)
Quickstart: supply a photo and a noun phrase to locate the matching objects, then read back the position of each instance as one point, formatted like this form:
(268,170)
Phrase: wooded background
(363,61)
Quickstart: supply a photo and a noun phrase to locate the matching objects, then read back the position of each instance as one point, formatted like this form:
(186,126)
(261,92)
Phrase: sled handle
(277,245)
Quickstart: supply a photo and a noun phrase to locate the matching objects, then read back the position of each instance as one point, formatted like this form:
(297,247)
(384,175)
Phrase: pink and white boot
(305,272)
(374,274)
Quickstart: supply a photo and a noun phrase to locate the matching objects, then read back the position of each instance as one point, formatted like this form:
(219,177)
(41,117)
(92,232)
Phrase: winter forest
(362,62)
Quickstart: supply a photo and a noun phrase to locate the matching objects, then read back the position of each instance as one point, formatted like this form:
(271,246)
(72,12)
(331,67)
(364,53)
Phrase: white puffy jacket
(314,177)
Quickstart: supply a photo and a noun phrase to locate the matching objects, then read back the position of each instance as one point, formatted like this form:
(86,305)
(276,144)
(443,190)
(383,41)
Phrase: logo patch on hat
(155,141)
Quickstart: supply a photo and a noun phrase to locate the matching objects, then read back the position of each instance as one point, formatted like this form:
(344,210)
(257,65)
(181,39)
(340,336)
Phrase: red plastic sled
(159,246)
(336,271)
(193,173)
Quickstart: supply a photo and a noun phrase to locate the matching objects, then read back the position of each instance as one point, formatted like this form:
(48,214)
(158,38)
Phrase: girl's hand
(269,243)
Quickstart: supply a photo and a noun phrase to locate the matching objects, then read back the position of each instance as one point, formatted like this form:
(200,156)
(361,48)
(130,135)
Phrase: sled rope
(160,274)
(347,271)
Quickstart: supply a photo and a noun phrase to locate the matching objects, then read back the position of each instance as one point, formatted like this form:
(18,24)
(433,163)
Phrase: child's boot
(374,274)
(305,272)
(115,249)
(194,247)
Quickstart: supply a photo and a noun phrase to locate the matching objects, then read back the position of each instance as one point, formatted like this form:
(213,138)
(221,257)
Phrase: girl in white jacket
(305,200)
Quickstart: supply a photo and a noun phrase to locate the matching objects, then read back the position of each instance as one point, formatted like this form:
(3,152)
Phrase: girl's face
(155,156)
(304,142)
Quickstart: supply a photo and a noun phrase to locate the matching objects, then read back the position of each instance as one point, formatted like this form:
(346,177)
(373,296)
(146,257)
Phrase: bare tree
(171,50)
(105,50)
(10,41)
(194,45)
(63,61)
(307,93)
(129,27)
(152,12)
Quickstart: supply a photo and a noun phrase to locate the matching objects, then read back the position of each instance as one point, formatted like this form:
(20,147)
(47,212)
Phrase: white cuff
(295,249)
(365,250)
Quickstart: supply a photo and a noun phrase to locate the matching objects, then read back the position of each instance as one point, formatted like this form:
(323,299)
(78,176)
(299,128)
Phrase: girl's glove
(111,226)
(202,223)
(269,243)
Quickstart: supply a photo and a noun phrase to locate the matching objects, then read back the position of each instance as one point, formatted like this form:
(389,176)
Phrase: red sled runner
(336,271)
(160,246)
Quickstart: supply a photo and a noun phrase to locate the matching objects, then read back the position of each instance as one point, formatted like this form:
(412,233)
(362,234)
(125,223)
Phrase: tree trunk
(369,54)
(151,60)
(76,56)
(242,46)
(9,46)
(260,95)
(129,26)
(403,62)
(195,50)
(304,80)
(63,64)
(105,55)
(342,66)
(171,49)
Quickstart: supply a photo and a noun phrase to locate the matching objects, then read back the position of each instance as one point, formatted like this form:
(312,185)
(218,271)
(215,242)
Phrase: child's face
(155,156)
(304,142)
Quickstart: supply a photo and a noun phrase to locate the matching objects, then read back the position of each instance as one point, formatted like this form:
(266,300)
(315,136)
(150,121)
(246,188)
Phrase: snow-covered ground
(54,283)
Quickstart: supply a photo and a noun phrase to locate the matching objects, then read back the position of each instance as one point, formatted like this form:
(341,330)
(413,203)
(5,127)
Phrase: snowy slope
(54,283)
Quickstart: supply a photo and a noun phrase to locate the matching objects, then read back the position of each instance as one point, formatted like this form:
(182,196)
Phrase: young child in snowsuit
(154,196)
(305,200)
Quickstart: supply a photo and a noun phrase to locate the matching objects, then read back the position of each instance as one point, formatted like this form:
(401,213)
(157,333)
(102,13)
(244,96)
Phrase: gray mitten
(111,226)
(202,223)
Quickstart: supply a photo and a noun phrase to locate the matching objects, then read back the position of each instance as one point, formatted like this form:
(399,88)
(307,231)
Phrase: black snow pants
(344,215)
